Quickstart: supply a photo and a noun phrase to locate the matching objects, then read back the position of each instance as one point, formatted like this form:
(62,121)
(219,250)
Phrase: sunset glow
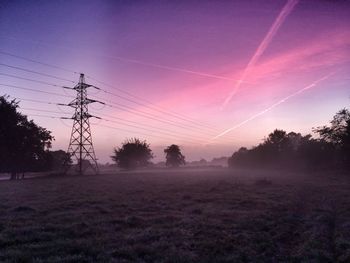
(210,76)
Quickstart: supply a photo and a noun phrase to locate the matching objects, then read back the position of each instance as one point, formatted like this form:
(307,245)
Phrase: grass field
(194,215)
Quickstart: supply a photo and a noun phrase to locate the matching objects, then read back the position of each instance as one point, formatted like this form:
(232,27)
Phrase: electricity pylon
(81,149)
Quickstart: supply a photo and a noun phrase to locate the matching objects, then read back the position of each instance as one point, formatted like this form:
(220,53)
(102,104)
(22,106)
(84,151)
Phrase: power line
(38,62)
(39,101)
(33,80)
(43,102)
(135,61)
(130,109)
(56,117)
(54,85)
(45,110)
(129,131)
(172,135)
(44,116)
(81,116)
(150,104)
(183,117)
(119,106)
(157,109)
(145,115)
(102,125)
(35,90)
(36,72)
(141,125)
(151,116)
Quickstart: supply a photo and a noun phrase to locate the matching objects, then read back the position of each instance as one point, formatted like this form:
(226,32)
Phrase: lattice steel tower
(80,147)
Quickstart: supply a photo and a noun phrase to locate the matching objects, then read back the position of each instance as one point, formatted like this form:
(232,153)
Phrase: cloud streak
(286,10)
(273,106)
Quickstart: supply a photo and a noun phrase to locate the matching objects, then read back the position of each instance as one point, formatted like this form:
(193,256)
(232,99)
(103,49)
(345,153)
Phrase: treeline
(329,149)
(25,147)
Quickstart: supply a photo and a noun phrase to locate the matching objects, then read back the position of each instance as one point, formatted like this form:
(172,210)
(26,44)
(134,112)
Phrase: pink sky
(184,57)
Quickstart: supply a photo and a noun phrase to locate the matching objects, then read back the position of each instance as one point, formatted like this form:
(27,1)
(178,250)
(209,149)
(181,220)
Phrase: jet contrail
(134,61)
(274,105)
(287,9)
(173,68)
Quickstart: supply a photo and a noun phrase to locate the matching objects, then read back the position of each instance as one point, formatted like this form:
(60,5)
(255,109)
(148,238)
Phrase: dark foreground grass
(177,216)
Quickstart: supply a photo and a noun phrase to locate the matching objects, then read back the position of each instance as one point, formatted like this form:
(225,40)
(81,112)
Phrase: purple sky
(183,56)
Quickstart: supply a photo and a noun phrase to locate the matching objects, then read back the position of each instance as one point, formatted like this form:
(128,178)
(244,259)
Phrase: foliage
(292,150)
(282,149)
(133,153)
(23,144)
(57,160)
(174,157)
(338,134)
(339,131)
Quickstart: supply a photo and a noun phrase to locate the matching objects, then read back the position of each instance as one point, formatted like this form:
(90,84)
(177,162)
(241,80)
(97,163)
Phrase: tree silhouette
(339,131)
(239,158)
(338,134)
(134,153)
(58,159)
(23,144)
(174,157)
(277,138)
(286,150)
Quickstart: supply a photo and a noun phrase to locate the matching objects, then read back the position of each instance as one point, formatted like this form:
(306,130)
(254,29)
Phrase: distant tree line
(25,147)
(330,148)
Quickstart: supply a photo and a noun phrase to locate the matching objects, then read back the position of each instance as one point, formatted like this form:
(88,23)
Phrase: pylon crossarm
(93,101)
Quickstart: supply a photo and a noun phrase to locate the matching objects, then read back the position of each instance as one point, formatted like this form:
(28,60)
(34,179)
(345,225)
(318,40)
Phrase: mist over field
(183,215)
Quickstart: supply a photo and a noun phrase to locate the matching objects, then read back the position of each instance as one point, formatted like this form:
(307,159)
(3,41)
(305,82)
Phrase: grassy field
(177,216)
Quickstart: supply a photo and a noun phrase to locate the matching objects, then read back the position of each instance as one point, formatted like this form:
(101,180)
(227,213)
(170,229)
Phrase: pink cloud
(326,51)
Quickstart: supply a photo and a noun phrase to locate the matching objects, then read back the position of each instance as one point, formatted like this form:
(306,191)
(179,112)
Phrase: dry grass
(177,216)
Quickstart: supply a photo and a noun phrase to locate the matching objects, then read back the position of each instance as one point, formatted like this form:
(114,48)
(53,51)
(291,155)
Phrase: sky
(210,76)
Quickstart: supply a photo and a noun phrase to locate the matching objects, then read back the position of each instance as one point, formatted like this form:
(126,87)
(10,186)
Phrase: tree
(203,162)
(313,153)
(277,140)
(174,157)
(23,144)
(238,158)
(338,134)
(134,153)
(339,131)
(58,159)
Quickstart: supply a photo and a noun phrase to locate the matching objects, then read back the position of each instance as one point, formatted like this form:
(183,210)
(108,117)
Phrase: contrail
(134,61)
(274,105)
(286,10)
(174,68)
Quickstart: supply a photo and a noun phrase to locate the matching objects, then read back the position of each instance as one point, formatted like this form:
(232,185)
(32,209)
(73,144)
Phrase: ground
(188,215)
